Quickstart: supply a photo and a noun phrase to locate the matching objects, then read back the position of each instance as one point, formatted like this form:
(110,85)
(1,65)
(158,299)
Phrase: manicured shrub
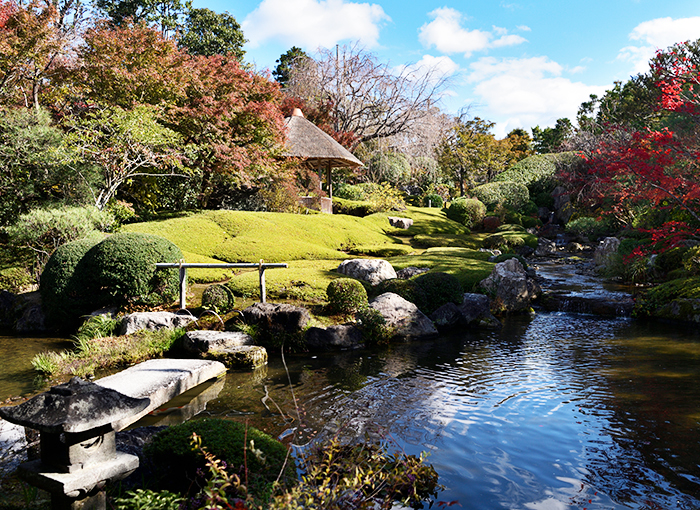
(360,208)
(432,200)
(66,287)
(16,279)
(467,211)
(670,260)
(530,222)
(239,446)
(509,194)
(346,295)
(436,289)
(491,223)
(124,265)
(218,298)
(428,291)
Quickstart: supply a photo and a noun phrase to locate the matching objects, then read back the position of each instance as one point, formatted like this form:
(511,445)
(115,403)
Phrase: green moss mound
(346,295)
(176,464)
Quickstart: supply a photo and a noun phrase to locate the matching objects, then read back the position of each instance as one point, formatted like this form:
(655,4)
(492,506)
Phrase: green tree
(286,62)
(28,151)
(207,33)
(470,154)
(122,145)
(167,15)
(549,140)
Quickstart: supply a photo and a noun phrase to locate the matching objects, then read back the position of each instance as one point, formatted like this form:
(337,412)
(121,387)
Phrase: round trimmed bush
(218,297)
(513,195)
(239,446)
(437,289)
(432,200)
(124,265)
(65,286)
(467,211)
(346,295)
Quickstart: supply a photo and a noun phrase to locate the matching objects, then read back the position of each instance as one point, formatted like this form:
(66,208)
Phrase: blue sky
(519,63)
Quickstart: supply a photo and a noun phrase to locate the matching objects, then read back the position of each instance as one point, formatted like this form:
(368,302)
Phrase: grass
(101,353)
(314,245)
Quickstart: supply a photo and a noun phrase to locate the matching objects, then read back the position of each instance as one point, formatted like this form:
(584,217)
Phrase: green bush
(373,327)
(65,286)
(539,172)
(242,448)
(467,211)
(530,222)
(218,298)
(513,195)
(691,260)
(124,267)
(15,279)
(140,499)
(349,192)
(44,230)
(432,200)
(359,208)
(428,291)
(593,228)
(371,196)
(346,295)
(670,260)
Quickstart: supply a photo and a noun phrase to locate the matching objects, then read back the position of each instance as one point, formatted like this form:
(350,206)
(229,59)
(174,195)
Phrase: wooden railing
(183,266)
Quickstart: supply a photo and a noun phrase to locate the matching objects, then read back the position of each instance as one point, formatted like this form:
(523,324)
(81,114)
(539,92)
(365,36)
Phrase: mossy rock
(245,357)
(175,464)
(428,291)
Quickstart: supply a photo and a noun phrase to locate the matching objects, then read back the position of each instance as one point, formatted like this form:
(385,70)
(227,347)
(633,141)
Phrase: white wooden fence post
(261,269)
(183,285)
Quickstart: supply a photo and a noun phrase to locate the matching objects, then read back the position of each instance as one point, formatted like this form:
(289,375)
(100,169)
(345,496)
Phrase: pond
(554,411)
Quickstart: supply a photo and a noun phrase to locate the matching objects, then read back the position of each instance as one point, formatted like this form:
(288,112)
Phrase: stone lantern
(77,441)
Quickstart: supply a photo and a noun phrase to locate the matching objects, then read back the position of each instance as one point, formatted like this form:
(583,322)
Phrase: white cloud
(657,34)
(441,67)
(447,35)
(527,92)
(314,23)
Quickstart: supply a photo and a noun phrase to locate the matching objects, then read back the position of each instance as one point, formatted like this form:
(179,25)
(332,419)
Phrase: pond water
(554,411)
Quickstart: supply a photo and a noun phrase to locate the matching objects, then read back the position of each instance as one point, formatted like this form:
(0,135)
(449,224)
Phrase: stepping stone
(245,357)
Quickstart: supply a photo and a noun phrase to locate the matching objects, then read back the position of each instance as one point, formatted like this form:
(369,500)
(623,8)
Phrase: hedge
(510,194)
(467,211)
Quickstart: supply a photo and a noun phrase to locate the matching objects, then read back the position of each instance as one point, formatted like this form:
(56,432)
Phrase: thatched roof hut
(316,147)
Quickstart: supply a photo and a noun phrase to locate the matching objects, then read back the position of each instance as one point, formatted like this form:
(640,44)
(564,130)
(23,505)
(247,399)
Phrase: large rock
(373,271)
(400,222)
(342,336)
(605,250)
(403,317)
(196,342)
(277,317)
(510,287)
(545,248)
(410,271)
(154,321)
(474,311)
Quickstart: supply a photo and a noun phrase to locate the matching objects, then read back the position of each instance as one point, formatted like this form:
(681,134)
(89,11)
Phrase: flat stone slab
(201,341)
(160,380)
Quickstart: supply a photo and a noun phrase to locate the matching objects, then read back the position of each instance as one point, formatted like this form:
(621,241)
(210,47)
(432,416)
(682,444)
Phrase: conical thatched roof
(319,149)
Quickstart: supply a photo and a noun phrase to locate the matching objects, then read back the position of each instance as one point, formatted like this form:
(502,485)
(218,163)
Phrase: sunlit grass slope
(312,245)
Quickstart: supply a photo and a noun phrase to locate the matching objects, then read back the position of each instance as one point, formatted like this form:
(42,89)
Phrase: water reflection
(555,411)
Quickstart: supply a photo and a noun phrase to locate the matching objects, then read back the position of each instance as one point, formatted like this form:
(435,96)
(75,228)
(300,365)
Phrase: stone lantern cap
(75,406)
